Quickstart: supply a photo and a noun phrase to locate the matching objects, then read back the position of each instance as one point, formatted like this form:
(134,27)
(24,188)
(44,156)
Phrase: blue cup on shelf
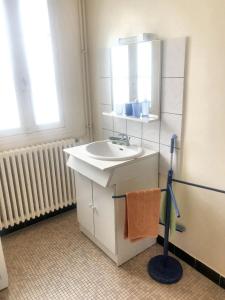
(128,109)
(137,109)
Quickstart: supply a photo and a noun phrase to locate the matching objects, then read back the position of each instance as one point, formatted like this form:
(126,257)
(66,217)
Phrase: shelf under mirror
(146,119)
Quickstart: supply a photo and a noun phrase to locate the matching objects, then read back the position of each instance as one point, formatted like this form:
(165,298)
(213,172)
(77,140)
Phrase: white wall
(203,155)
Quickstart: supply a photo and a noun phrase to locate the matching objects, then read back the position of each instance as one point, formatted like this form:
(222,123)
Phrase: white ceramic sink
(106,150)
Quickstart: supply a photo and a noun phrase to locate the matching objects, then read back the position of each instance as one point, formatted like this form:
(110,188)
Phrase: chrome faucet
(123,139)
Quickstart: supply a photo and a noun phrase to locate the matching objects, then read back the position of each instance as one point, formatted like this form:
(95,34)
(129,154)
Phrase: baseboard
(194,263)
(36,220)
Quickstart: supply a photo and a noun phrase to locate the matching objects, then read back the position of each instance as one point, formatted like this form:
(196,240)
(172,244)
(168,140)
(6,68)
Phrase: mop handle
(172,147)
(173,143)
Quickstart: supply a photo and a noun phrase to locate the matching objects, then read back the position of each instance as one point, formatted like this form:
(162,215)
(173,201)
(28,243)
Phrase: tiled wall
(155,135)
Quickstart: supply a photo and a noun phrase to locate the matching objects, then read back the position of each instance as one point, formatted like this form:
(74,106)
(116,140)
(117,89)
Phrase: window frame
(22,79)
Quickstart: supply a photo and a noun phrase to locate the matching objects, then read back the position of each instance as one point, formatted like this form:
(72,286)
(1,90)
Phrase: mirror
(136,78)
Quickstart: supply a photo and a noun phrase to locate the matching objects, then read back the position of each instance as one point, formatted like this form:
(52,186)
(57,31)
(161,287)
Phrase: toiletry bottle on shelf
(118,108)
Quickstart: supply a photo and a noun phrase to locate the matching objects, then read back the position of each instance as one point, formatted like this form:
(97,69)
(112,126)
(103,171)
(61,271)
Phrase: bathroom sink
(106,150)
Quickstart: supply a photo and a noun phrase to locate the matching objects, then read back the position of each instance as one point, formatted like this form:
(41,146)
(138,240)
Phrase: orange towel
(142,214)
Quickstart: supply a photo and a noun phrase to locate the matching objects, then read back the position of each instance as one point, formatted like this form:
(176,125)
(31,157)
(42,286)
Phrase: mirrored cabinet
(136,74)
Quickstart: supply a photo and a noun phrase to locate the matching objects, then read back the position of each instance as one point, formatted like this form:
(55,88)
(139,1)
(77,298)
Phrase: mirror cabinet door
(136,72)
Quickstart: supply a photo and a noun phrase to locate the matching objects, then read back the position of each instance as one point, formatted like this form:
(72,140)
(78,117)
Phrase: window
(9,116)
(28,90)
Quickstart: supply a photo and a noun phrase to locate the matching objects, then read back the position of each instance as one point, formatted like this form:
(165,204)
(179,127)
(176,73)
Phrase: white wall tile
(162,181)
(164,160)
(120,125)
(135,141)
(170,124)
(116,134)
(151,131)
(134,129)
(107,122)
(105,108)
(104,94)
(173,57)
(106,134)
(104,62)
(150,145)
(172,95)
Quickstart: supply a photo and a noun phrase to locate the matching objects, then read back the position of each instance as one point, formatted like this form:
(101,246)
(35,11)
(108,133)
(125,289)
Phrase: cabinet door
(104,216)
(84,202)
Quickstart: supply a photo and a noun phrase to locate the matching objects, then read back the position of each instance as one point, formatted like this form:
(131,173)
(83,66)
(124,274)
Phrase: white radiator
(34,181)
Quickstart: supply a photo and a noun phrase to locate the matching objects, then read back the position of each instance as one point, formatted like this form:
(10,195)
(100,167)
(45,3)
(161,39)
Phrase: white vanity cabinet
(101,217)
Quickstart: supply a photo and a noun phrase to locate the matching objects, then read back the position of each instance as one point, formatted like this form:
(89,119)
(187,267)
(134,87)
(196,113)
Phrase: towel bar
(179,227)
(124,196)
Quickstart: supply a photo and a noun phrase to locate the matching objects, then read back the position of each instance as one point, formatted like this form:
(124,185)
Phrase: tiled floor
(53,260)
